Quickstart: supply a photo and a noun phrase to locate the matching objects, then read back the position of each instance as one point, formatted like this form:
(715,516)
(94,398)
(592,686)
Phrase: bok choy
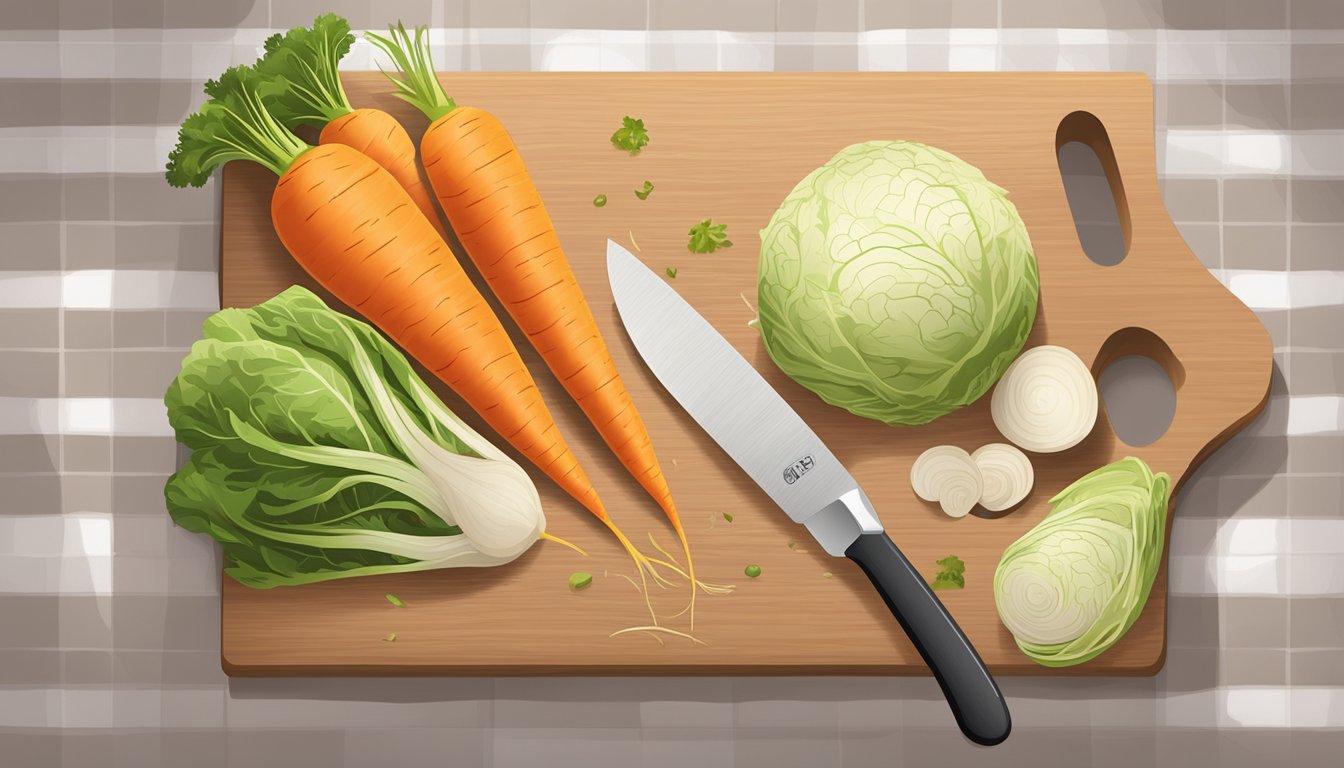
(318,453)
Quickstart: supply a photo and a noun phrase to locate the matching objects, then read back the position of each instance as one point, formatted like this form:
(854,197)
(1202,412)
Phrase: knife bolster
(838,524)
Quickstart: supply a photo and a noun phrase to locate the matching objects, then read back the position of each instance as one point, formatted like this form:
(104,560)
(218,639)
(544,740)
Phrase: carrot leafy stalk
(233,124)
(484,188)
(417,84)
(301,67)
(304,61)
(708,237)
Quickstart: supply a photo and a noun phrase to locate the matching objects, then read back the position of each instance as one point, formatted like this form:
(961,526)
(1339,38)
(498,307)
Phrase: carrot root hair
(558,540)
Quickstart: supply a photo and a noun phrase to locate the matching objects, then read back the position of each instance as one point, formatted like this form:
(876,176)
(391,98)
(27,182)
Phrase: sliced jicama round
(946,474)
(1006,473)
(1046,401)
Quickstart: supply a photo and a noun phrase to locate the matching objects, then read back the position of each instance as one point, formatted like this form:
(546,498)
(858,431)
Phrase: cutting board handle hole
(1138,377)
(1093,188)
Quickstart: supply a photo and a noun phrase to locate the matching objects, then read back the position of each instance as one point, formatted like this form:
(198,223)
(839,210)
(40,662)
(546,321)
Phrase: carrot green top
(418,84)
(232,125)
(302,63)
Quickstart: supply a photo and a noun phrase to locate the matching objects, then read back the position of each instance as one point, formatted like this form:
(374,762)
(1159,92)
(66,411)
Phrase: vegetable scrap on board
(631,137)
(952,574)
(708,237)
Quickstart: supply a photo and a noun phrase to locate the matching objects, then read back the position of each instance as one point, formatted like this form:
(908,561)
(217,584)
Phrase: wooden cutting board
(731,146)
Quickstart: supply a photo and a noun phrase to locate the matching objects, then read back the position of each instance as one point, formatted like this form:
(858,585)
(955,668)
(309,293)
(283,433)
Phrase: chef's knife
(753,424)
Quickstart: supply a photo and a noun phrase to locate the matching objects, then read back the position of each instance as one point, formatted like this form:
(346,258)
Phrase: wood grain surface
(731,146)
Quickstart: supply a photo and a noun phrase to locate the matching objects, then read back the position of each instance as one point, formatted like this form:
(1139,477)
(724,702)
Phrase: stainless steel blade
(738,408)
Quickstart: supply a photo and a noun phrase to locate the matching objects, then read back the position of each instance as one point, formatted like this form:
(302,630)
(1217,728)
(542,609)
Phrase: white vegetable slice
(1046,401)
(1006,473)
(946,474)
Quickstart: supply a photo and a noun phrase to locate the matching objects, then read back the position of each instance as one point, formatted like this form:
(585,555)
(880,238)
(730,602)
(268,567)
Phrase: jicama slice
(947,474)
(1046,401)
(1007,476)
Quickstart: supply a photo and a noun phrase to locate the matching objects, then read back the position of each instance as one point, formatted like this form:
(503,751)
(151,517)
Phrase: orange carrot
(356,231)
(304,88)
(484,189)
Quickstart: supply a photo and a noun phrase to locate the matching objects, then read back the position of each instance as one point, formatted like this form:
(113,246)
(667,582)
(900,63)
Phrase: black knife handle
(971,692)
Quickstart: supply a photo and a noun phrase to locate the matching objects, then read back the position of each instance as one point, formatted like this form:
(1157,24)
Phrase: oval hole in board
(1138,377)
(1140,400)
(1093,188)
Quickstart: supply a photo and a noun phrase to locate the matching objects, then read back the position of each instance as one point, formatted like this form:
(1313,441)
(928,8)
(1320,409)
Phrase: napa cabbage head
(896,282)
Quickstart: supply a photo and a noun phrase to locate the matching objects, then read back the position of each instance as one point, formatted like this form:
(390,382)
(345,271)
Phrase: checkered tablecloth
(109,616)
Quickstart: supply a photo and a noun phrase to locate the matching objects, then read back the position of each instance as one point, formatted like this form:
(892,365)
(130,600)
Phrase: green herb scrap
(671,271)
(397,601)
(599,201)
(631,136)
(643,194)
(727,517)
(708,237)
(580,580)
(952,575)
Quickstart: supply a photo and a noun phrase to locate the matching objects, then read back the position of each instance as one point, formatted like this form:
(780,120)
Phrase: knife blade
(749,420)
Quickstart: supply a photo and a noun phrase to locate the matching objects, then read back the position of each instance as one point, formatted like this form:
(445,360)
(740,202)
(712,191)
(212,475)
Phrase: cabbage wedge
(1073,585)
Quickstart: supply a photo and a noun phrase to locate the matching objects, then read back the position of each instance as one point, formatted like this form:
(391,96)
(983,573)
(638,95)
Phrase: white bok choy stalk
(1074,584)
(318,453)
(487,495)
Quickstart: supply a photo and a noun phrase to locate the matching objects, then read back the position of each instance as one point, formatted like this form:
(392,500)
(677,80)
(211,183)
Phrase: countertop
(109,615)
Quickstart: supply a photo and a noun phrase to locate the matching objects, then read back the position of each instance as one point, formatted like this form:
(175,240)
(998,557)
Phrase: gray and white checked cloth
(109,615)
